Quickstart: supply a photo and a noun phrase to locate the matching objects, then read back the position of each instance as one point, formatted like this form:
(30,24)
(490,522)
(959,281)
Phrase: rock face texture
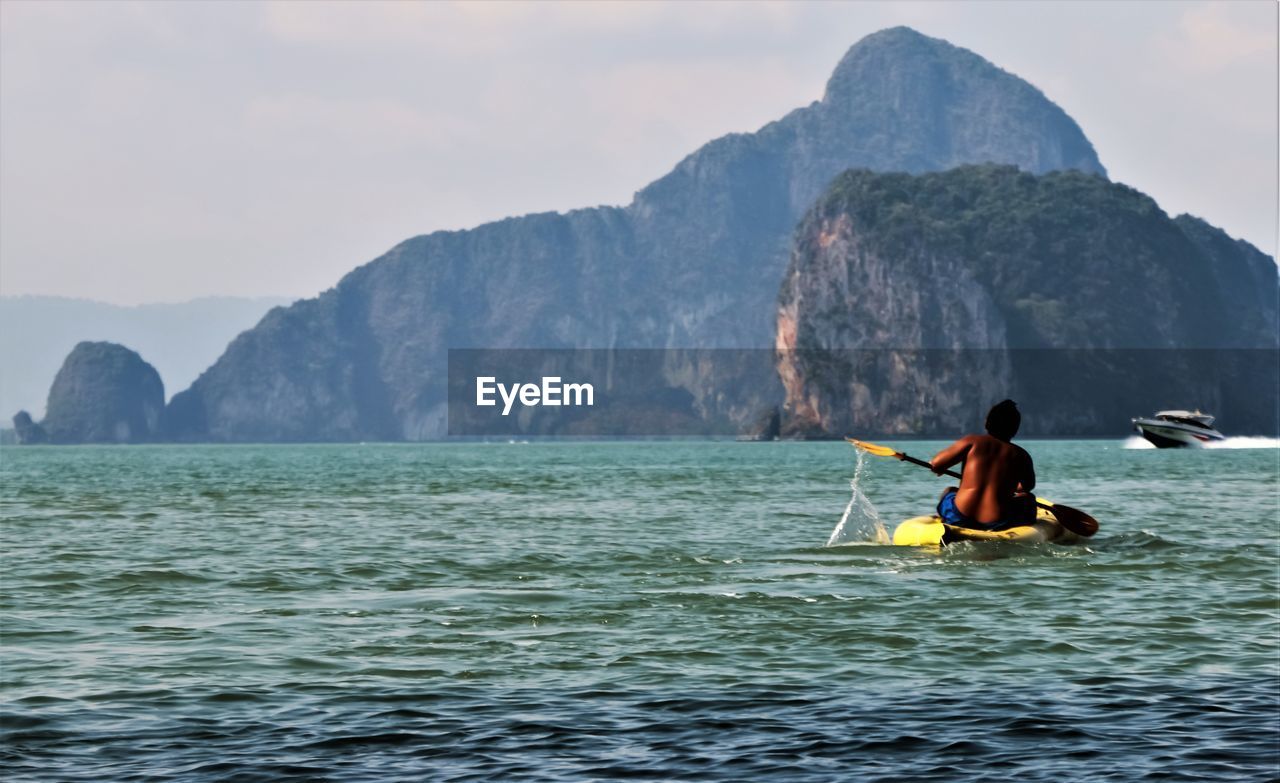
(694,261)
(104,393)
(912,303)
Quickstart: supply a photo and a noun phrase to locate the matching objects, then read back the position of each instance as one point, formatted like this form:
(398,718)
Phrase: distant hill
(694,261)
(914,302)
(180,340)
(104,393)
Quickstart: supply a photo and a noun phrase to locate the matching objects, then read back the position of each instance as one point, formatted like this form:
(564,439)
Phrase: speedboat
(1178,429)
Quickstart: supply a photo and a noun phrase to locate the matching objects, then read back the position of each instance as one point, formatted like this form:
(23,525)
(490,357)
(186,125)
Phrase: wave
(947,730)
(1142,539)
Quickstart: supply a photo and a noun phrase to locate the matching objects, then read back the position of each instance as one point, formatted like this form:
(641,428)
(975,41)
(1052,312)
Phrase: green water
(567,611)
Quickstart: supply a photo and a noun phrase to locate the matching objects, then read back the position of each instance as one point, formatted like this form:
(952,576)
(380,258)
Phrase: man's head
(1003,420)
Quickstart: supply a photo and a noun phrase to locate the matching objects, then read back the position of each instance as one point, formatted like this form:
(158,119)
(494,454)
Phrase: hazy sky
(162,151)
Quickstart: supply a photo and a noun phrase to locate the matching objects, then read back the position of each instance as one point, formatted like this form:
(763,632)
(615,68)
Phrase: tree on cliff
(913,301)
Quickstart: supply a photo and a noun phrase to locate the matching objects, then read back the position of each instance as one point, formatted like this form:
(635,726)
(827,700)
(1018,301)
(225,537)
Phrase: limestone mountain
(694,261)
(912,302)
(104,393)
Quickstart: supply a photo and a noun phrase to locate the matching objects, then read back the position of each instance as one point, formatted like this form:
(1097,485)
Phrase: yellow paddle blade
(872,448)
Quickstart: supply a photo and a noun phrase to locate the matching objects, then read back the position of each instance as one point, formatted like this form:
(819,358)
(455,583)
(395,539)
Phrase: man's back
(994,470)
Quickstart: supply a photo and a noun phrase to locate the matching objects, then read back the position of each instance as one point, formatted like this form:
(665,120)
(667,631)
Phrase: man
(995,490)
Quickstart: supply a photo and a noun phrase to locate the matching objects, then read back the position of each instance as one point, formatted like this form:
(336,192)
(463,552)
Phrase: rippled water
(655,610)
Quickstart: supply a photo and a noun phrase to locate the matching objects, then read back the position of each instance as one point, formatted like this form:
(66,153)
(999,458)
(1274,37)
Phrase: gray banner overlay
(761,394)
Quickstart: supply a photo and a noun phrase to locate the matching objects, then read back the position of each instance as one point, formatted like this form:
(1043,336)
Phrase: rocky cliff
(912,303)
(104,393)
(694,261)
(26,432)
(179,339)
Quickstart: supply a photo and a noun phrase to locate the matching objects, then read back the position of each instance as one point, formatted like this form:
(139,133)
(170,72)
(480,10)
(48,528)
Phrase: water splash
(1137,442)
(860,523)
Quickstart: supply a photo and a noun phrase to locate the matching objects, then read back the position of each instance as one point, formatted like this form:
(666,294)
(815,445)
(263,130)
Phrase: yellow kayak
(928,531)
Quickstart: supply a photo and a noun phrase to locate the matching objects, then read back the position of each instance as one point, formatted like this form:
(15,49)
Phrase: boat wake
(1238,442)
(860,523)
(1245,442)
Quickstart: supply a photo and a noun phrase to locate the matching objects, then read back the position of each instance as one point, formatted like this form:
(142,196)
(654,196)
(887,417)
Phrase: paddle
(1072,519)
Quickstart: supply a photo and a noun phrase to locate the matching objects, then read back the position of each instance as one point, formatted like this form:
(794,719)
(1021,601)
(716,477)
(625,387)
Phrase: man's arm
(951,455)
(1028,479)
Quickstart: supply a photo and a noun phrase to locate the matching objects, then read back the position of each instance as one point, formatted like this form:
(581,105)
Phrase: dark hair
(1003,419)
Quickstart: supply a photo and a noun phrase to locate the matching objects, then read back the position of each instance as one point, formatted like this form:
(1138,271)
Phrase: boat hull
(1170,436)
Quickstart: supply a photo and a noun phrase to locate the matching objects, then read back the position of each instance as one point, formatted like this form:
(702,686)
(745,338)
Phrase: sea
(563,611)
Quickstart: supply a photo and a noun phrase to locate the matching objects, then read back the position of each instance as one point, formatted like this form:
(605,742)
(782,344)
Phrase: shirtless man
(995,491)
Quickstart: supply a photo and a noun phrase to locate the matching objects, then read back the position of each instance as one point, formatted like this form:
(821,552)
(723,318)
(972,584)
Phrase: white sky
(162,151)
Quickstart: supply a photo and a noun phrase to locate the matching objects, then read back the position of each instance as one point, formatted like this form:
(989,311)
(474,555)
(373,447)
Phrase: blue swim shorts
(953,516)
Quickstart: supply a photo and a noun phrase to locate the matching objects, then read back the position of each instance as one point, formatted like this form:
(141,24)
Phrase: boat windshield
(1191,421)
